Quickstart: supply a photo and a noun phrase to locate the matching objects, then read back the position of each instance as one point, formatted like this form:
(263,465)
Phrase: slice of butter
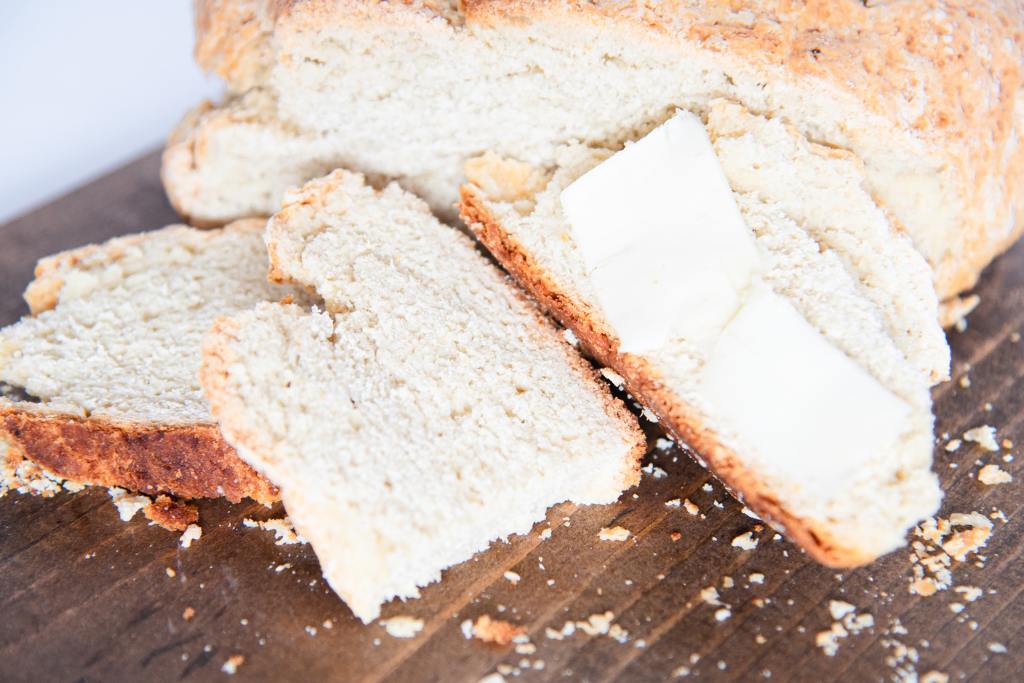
(662,238)
(670,257)
(804,405)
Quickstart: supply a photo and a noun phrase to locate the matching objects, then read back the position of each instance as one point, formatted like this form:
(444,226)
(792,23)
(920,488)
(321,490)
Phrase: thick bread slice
(111,359)
(429,411)
(411,90)
(815,258)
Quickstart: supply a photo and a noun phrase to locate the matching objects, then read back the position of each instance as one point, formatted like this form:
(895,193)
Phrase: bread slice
(108,363)
(429,410)
(830,253)
(412,90)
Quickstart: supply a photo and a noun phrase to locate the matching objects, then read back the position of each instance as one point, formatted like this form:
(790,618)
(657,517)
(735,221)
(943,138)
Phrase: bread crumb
(284,530)
(512,577)
(492,678)
(674,503)
(984,436)
(664,444)
(282,567)
(193,532)
(710,595)
(171,514)
(525,649)
(745,541)
(839,608)
(760,640)
(614,377)
(618,634)
(998,648)
(727,582)
(690,507)
(402,626)
(965,381)
(756,577)
(170,572)
(654,471)
(546,534)
(956,607)
(953,445)
(990,475)
(596,624)
(496,631)
(127,505)
(675,536)
(970,593)
(230,667)
(722,613)
(328,624)
(188,614)
(615,533)
(846,623)
(935,677)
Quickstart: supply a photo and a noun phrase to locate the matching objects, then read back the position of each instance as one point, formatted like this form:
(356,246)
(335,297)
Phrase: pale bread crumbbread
(881,312)
(430,410)
(111,356)
(928,98)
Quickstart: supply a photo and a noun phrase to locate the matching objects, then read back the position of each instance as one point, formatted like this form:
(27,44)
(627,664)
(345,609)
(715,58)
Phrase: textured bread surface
(109,360)
(885,321)
(427,411)
(412,90)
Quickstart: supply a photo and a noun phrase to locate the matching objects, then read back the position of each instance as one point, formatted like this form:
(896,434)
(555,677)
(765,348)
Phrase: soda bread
(427,411)
(109,361)
(833,256)
(927,98)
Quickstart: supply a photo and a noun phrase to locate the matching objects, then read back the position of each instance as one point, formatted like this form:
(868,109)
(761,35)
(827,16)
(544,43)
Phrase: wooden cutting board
(86,597)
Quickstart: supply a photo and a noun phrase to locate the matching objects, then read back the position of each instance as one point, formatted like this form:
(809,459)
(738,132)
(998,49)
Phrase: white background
(87,85)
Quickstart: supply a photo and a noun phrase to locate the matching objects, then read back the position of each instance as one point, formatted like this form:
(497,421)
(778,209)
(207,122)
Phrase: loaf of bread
(926,99)
(107,364)
(428,410)
(828,253)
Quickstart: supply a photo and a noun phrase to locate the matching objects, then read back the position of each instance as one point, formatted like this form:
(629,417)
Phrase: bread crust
(642,381)
(186,461)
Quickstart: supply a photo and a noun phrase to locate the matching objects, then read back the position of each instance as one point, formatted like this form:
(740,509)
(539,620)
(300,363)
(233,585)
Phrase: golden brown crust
(171,514)
(187,461)
(642,381)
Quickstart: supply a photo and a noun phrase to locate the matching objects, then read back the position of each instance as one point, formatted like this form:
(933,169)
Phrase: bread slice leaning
(429,410)
(831,254)
(108,363)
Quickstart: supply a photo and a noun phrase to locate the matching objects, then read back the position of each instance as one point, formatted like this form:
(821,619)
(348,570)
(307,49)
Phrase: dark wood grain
(84,596)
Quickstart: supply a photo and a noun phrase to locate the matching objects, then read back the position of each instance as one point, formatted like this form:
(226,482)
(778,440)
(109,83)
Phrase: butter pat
(662,239)
(811,412)
(671,258)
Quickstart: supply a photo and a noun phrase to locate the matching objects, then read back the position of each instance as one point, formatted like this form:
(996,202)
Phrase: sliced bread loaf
(411,90)
(108,363)
(429,410)
(826,432)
